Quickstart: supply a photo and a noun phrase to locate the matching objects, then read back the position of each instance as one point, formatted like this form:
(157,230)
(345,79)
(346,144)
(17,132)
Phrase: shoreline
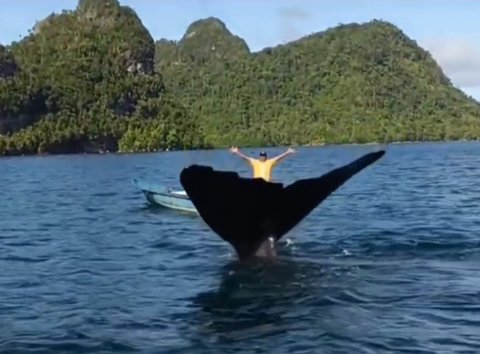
(244,147)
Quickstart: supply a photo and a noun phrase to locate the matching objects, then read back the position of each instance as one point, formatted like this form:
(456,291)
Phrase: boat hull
(163,196)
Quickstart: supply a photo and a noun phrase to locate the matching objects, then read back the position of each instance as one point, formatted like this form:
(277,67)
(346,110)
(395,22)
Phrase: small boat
(160,195)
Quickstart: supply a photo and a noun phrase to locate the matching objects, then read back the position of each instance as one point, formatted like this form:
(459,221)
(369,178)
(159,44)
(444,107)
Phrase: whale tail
(246,211)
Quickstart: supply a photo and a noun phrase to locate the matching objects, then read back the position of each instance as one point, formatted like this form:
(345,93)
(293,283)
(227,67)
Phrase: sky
(448,29)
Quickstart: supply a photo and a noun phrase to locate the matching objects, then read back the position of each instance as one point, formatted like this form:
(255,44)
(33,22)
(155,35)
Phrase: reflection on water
(253,297)
(265,299)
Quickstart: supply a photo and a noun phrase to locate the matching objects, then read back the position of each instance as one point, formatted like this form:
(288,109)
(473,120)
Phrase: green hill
(352,83)
(93,79)
(86,82)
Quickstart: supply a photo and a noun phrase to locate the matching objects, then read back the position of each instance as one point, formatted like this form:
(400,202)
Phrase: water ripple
(384,265)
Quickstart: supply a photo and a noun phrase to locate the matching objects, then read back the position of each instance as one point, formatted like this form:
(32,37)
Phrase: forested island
(93,79)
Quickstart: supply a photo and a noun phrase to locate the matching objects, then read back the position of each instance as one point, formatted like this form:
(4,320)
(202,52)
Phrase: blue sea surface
(389,263)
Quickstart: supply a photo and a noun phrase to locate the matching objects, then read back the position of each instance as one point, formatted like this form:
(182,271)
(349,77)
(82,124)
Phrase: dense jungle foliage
(93,79)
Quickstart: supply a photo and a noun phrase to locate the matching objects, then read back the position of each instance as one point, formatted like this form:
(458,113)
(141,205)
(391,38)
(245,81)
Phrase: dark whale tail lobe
(246,211)
(305,195)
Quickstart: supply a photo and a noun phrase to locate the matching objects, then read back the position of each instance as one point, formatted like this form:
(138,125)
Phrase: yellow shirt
(262,169)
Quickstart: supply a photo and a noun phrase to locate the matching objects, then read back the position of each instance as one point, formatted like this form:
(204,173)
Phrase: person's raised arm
(237,152)
(283,155)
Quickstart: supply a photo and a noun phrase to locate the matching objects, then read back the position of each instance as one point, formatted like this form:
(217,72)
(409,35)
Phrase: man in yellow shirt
(262,167)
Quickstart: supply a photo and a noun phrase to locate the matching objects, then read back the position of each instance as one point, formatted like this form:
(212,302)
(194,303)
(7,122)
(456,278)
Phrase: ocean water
(389,263)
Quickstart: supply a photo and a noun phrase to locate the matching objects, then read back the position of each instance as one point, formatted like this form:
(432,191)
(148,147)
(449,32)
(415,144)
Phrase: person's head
(262,156)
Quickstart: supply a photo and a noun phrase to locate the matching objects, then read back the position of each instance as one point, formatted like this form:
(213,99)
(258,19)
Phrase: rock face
(8,66)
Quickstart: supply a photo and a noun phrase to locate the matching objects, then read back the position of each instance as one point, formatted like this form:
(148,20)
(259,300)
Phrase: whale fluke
(247,211)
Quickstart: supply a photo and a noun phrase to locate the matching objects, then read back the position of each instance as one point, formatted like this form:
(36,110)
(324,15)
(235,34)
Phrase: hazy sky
(449,29)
